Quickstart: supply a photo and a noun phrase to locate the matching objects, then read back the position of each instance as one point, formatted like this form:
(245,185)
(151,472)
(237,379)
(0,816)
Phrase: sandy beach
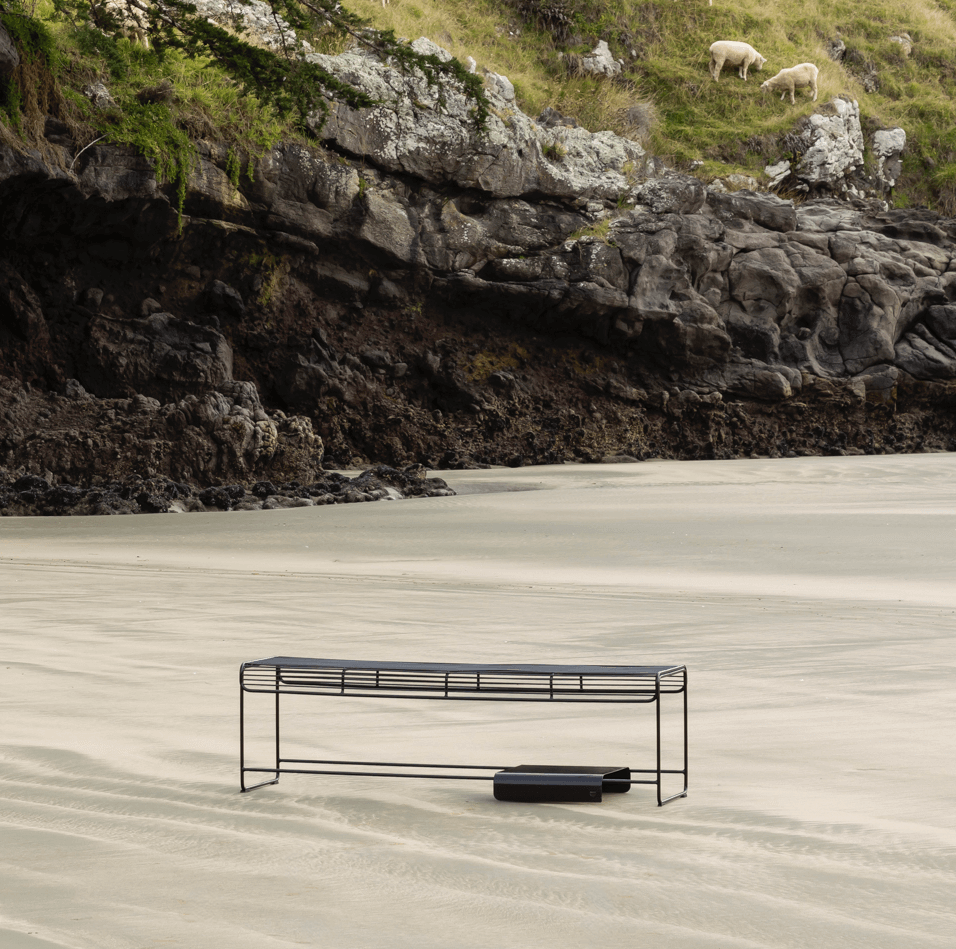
(812,599)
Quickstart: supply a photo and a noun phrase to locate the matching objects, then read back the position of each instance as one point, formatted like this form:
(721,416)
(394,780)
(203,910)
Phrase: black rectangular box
(533,783)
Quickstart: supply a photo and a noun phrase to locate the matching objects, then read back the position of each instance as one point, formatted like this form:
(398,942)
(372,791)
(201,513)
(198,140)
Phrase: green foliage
(164,100)
(32,37)
(554,151)
(285,80)
(599,230)
(199,80)
(271,271)
(115,58)
(288,83)
(11,103)
(151,129)
(233,167)
(37,49)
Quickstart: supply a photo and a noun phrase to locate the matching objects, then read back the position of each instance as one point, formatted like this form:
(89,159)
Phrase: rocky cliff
(414,290)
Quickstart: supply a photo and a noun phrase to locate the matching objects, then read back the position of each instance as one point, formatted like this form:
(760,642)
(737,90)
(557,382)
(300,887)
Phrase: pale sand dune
(813,600)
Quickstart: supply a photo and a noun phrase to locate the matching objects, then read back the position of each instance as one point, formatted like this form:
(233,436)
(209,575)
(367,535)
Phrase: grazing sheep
(734,53)
(796,77)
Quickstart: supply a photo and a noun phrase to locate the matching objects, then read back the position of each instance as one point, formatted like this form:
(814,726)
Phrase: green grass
(729,125)
(202,102)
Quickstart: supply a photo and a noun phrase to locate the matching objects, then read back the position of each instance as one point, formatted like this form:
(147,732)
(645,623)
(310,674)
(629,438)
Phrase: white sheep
(796,77)
(734,53)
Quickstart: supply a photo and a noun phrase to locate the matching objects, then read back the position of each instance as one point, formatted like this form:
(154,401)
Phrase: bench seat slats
(503,681)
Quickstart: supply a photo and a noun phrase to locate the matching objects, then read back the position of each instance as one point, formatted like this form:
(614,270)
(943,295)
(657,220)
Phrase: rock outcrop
(888,146)
(430,134)
(827,156)
(420,291)
(601,62)
(33,494)
(9,56)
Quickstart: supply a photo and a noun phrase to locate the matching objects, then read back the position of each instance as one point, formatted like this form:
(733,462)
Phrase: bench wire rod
(405,774)
(471,767)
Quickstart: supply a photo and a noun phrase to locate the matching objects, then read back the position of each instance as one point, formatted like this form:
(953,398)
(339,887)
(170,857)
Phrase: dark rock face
(160,356)
(9,57)
(332,314)
(30,494)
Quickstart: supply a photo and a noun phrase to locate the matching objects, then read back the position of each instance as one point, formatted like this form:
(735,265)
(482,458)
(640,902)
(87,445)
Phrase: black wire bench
(282,675)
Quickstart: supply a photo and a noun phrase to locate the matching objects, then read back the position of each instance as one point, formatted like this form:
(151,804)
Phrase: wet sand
(813,600)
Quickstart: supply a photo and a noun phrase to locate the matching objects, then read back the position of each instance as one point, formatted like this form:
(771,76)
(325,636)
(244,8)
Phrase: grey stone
(99,95)
(672,195)
(879,384)
(836,49)
(388,227)
(501,86)
(924,355)
(777,173)
(732,183)
(834,144)
(20,308)
(223,299)
(888,146)
(92,298)
(9,57)
(601,62)
(905,41)
(412,133)
(766,210)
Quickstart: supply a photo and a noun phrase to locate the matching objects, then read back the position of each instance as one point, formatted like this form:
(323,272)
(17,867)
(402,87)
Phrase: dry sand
(813,601)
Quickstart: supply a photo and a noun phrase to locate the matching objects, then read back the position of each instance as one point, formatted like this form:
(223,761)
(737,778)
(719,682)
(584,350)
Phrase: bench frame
(511,682)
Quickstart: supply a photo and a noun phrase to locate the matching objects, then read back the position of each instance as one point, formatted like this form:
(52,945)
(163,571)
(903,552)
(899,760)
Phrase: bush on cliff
(194,79)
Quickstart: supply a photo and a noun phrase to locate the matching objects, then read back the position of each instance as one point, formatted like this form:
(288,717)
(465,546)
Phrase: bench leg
(661,801)
(242,744)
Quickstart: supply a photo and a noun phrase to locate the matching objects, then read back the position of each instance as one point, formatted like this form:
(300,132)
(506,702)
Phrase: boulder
(905,42)
(161,356)
(766,210)
(833,146)
(601,62)
(836,49)
(414,133)
(20,309)
(675,194)
(99,95)
(888,146)
(829,145)
(924,356)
